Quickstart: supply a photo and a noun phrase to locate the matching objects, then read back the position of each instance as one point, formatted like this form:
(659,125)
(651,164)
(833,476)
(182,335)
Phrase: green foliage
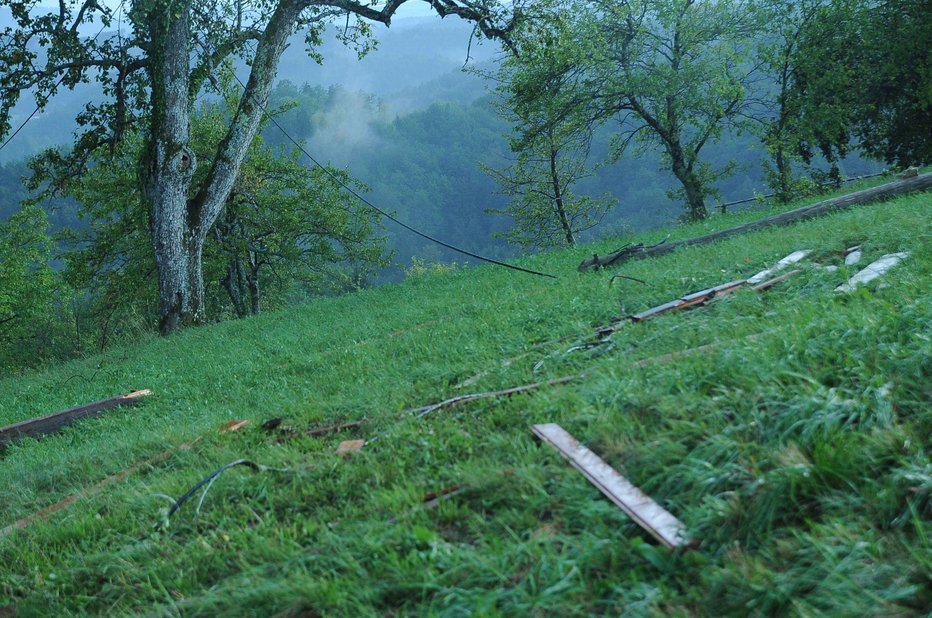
(860,78)
(799,457)
(286,233)
(33,302)
(421,269)
(551,139)
(675,74)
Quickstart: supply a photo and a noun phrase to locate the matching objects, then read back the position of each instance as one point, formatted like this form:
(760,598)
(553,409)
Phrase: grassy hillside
(797,449)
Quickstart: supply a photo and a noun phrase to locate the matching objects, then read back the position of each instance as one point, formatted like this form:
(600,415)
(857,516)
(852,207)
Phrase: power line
(57,84)
(382,212)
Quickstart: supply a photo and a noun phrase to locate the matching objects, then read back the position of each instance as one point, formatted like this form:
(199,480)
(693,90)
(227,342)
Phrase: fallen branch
(51,423)
(453,401)
(326,431)
(618,256)
(883,192)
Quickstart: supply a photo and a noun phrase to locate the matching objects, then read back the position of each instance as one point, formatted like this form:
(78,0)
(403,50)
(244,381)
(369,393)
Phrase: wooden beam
(690,300)
(45,425)
(760,287)
(635,503)
(844,202)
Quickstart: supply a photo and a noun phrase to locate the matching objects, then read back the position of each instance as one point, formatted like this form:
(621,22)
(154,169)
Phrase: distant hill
(417,62)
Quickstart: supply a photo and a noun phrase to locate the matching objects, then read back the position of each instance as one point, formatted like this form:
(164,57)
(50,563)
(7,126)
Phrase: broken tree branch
(45,425)
(453,401)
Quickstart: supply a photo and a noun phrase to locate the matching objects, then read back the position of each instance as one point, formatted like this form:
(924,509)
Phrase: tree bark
(169,165)
(692,186)
(179,223)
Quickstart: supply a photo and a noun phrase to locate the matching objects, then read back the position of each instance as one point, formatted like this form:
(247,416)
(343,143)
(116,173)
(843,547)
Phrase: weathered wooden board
(673,305)
(874,194)
(95,489)
(689,300)
(45,425)
(872,271)
(760,287)
(635,503)
(793,258)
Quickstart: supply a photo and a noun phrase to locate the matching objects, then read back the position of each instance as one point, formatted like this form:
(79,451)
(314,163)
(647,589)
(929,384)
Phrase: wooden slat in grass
(44,425)
(640,507)
(690,300)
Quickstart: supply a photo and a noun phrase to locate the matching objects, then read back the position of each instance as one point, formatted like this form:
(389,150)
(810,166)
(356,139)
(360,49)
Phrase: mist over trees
(621,114)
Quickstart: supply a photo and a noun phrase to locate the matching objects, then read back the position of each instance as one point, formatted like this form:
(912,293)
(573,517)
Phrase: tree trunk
(558,198)
(168,167)
(180,223)
(692,186)
(234,283)
(253,281)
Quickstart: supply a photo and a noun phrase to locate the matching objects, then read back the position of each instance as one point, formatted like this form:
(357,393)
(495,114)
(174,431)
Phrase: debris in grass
(766,285)
(690,300)
(51,423)
(874,270)
(272,423)
(209,481)
(618,255)
(635,503)
(853,255)
(793,258)
(324,431)
(433,498)
(425,410)
(350,446)
(635,279)
(233,426)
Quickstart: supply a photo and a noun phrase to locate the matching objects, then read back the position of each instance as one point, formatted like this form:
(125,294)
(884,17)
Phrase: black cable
(385,214)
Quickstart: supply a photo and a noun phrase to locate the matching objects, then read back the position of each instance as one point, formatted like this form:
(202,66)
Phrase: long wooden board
(635,503)
(45,425)
(690,300)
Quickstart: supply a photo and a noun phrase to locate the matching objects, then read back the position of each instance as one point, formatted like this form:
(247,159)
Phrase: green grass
(800,457)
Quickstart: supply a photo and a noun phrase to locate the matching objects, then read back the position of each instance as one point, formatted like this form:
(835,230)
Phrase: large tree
(675,74)
(153,65)
(861,74)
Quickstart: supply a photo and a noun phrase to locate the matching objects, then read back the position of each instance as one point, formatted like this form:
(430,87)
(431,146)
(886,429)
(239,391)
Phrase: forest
(571,121)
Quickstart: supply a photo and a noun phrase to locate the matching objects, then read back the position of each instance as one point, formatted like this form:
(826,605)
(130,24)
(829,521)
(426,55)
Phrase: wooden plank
(45,425)
(635,503)
(689,300)
(760,287)
(872,271)
(673,305)
(95,489)
(883,192)
(793,258)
